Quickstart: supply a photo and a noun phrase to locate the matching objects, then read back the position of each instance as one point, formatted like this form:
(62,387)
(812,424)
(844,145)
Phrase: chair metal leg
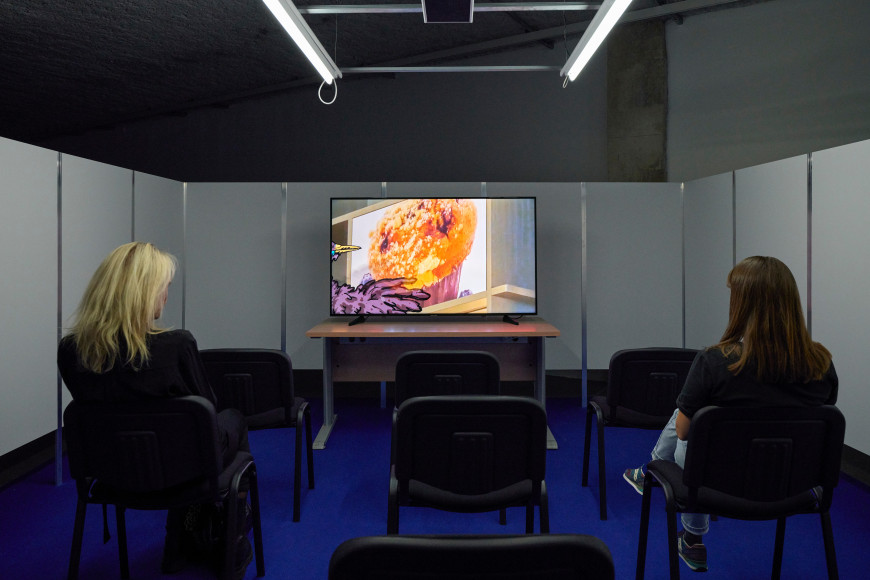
(121,523)
(530,517)
(544,509)
(673,558)
(309,446)
(777,549)
(393,505)
(586,444)
(297,473)
(75,554)
(830,554)
(254,492)
(602,480)
(644,529)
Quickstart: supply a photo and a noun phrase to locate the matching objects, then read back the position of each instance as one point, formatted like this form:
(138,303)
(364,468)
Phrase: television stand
(510,320)
(368,352)
(358,320)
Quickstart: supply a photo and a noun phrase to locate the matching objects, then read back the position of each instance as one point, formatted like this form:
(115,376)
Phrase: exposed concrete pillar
(637,102)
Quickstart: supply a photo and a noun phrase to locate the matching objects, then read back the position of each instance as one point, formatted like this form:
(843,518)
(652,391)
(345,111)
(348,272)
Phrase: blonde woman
(765,358)
(116,352)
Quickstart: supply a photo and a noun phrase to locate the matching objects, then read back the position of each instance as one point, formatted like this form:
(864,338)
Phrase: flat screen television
(433,255)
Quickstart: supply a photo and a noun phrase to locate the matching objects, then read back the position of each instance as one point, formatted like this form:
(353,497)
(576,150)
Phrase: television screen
(433,256)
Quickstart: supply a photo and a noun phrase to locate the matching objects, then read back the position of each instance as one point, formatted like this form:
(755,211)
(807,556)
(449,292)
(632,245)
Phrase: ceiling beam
(478,7)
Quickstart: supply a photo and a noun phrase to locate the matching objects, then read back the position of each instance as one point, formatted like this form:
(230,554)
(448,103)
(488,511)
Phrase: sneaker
(694,556)
(634,477)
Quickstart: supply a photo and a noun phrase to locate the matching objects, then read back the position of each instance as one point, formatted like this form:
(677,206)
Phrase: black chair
(155,455)
(751,464)
(642,389)
(259,383)
(538,557)
(423,373)
(470,454)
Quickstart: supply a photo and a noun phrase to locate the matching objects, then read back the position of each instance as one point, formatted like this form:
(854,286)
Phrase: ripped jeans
(670,448)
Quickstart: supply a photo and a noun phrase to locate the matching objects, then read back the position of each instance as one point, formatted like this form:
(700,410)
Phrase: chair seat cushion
(276,417)
(624,417)
(423,494)
(178,495)
(670,475)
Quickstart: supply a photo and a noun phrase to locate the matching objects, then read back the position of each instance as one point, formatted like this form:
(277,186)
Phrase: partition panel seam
(683,256)
(733,218)
(184,255)
(583,319)
(810,243)
(58,436)
(284,266)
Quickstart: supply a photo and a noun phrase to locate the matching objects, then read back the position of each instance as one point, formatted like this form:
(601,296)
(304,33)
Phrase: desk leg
(329,415)
(541,385)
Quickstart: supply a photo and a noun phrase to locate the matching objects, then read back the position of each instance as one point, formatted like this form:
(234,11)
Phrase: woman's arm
(682,425)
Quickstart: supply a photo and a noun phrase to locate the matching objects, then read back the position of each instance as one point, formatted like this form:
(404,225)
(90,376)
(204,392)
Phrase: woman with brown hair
(116,352)
(765,358)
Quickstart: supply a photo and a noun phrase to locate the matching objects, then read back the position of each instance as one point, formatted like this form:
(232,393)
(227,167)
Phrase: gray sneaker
(634,477)
(694,556)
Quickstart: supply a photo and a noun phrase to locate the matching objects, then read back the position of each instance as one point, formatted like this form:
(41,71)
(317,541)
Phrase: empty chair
(642,389)
(470,454)
(751,464)
(422,373)
(536,557)
(259,383)
(155,455)
(446,372)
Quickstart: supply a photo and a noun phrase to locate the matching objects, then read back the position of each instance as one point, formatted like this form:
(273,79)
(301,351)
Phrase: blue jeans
(670,448)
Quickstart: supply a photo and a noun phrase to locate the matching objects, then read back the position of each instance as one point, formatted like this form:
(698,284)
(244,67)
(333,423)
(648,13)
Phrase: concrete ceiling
(81,65)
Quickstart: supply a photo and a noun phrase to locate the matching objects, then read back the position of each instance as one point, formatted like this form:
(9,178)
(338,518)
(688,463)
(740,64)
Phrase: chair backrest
(423,373)
(257,382)
(769,456)
(529,557)
(643,384)
(471,444)
(144,447)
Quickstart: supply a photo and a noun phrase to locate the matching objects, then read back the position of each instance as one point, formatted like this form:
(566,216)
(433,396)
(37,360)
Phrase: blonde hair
(119,306)
(766,325)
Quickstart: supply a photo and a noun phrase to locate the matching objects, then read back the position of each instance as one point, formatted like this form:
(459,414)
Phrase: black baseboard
(26,459)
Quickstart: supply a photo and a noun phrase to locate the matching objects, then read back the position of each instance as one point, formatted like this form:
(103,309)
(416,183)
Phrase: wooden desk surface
(413,327)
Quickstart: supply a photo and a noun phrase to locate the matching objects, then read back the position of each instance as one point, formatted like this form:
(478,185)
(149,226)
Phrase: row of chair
(480,452)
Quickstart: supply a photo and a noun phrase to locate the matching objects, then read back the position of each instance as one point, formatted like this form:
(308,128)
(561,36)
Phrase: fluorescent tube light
(603,22)
(290,18)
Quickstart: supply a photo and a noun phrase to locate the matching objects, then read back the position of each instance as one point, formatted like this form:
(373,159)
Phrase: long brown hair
(766,326)
(120,304)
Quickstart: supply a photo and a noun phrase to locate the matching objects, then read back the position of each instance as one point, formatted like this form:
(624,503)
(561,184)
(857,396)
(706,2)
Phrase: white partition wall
(559,231)
(233,268)
(158,217)
(634,295)
(28,292)
(771,215)
(97,210)
(708,211)
(308,262)
(841,276)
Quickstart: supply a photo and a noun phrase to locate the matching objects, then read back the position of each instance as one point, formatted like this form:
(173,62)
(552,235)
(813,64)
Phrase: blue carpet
(350,499)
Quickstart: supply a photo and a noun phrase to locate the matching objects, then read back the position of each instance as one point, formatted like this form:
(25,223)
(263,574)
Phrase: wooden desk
(369,351)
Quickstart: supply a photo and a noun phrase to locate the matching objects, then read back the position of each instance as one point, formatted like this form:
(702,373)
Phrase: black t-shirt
(175,369)
(709,382)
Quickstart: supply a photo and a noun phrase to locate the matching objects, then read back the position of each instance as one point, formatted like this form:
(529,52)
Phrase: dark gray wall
(504,126)
(766,82)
